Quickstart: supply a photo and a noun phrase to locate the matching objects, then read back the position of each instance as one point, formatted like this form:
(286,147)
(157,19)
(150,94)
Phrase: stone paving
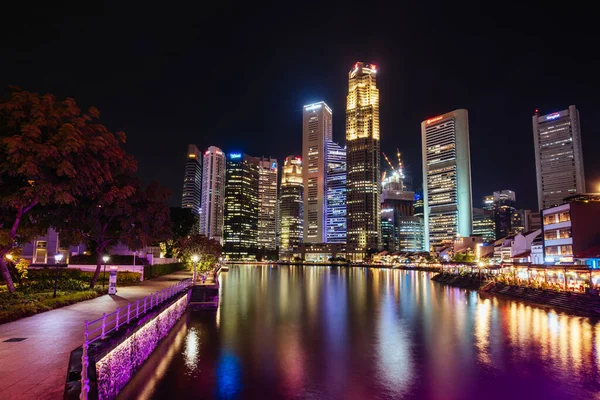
(36,368)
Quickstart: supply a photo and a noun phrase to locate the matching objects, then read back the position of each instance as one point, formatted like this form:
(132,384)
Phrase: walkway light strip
(113,324)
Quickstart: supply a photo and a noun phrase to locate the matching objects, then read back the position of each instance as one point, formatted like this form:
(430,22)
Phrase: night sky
(217,73)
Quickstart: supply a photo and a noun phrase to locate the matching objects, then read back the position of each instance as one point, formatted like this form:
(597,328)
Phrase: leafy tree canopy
(207,250)
(124,213)
(51,153)
(183,221)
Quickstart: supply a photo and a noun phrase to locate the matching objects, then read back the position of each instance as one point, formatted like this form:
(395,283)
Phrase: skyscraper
(267,204)
(240,229)
(316,132)
(291,206)
(504,208)
(410,234)
(213,194)
(488,202)
(483,224)
(336,193)
(192,182)
(395,197)
(389,230)
(558,156)
(525,220)
(363,161)
(446,178)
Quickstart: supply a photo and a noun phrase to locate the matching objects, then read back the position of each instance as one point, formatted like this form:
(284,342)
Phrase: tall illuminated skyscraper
(291,206)
(504,208)
(447,199)
(336,193)
(192,182)
(363,161)
(316,132)
(558,156)
(267,203)
(240,228)
(213,194)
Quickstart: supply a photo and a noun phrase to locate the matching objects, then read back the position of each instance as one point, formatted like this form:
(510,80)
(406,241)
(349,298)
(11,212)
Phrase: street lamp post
(57,259)
(195,260)
(105,258)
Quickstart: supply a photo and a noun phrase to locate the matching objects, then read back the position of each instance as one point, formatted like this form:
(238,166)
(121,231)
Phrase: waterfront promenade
(36,368)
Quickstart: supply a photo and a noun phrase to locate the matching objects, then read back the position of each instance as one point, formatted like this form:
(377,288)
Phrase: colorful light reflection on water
(337,333)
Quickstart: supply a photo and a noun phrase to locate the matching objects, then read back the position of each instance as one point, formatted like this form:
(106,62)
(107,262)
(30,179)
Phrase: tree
(51,153)
(207,250)
(370,253)
(124,213)
(465,257)
(183,220)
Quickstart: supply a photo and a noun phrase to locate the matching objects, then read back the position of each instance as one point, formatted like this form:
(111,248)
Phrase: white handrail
(100,327)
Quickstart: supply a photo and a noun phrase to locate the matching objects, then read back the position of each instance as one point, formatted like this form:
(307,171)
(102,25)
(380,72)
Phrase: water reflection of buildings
(319,328)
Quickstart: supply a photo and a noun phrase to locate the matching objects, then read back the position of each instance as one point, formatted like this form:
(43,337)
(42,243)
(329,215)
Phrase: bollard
(144,305)
(128,312)
(117,320)
(103,324)
(137,308)
(150,300)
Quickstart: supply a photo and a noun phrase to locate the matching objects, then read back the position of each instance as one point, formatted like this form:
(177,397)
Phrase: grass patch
(21,304)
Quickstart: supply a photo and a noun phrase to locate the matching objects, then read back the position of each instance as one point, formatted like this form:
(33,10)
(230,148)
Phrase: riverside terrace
(571,278)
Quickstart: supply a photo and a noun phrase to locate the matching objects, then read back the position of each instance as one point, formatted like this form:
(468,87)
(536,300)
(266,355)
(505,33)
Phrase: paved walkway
(36,368)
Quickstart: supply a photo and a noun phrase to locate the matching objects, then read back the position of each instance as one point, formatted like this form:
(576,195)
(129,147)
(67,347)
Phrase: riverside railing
(99,328)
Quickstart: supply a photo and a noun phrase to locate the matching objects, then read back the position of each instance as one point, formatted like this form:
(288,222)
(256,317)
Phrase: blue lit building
(336,193)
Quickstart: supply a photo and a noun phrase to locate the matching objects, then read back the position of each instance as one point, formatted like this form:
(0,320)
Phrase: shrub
(152,271)
(115,259)
(124,278)
(74,279)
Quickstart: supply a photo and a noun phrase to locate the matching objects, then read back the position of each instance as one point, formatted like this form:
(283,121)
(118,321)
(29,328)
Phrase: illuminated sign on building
(191,155)
(274,165)
(429,121)
(552,116)
(235,156)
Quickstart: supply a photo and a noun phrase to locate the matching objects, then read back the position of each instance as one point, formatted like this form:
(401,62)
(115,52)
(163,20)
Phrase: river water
(356,333)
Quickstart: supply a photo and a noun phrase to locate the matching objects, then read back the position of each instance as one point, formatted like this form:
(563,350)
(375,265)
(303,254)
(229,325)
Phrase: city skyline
(384,200)
(500,77)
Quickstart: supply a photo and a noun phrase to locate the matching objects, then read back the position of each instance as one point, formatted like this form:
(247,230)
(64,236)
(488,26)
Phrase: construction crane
(399,159)
(388,161)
